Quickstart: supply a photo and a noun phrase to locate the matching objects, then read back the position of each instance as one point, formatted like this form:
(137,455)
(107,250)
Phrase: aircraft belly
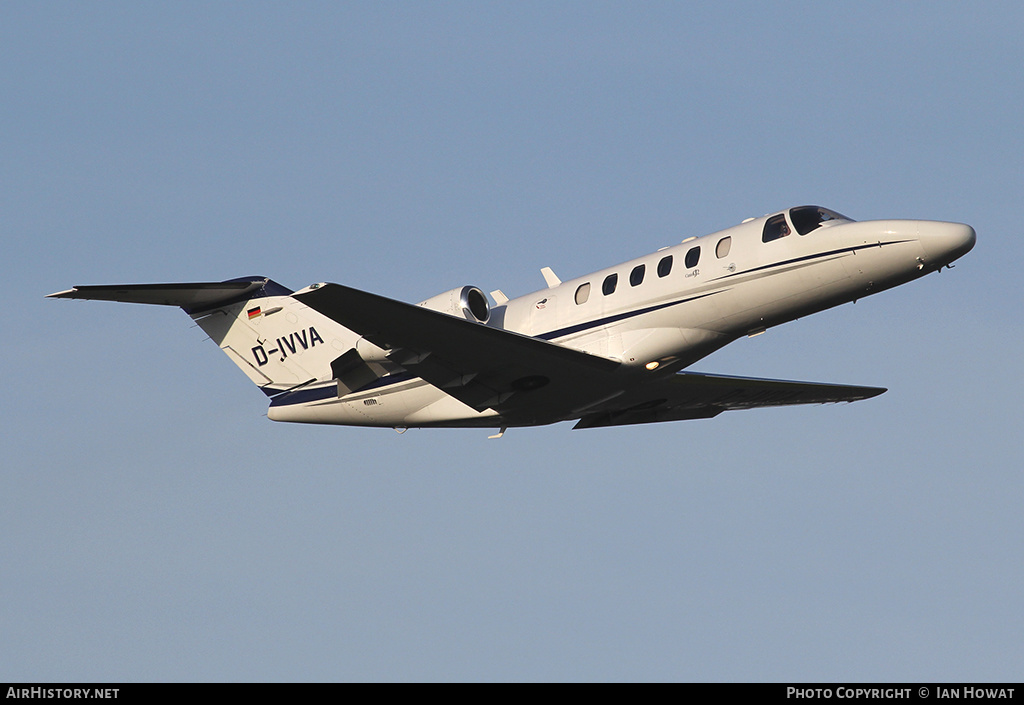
(335,412)
(418,404)
(370,409)
(447,410)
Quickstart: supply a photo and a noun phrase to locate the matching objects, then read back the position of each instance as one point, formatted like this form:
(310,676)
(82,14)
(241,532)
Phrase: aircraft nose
(945,242)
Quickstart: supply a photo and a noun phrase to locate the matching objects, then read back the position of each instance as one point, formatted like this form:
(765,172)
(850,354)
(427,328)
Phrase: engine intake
(464,302)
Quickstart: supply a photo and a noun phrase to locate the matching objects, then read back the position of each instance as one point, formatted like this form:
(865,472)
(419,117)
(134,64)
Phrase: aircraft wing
(524,379)
(693,395)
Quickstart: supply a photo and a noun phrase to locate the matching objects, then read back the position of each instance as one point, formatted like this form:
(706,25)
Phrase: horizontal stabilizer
(193,297)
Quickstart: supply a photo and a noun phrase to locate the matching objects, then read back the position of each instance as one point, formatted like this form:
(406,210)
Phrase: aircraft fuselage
(660,313)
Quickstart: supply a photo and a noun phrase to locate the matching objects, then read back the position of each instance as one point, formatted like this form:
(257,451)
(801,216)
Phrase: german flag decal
(253,312)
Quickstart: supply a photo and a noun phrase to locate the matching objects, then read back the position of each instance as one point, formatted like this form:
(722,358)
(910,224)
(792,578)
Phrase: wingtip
(872,392)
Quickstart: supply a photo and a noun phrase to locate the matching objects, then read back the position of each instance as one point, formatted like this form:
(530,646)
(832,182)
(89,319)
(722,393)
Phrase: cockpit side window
(775,227)
(809,218)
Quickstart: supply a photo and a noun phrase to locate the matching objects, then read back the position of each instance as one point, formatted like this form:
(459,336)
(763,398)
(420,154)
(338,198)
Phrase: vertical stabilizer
(277,341)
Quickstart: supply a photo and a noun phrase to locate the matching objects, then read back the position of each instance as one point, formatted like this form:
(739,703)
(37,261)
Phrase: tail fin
(277,341)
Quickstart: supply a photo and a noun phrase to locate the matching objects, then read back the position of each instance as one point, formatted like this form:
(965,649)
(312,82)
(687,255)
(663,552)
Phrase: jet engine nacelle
(464,302)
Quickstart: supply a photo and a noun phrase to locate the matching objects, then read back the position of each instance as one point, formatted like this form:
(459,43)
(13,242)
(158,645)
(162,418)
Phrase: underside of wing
(524,379)
(693,395)
(192,296)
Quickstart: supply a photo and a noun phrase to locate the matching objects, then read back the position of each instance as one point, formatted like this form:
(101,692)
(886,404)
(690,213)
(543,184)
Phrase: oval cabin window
(692,257)
(636,277)
(722,249)
(609,284)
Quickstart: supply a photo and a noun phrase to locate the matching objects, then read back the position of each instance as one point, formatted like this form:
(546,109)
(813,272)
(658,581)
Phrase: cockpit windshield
(808,218)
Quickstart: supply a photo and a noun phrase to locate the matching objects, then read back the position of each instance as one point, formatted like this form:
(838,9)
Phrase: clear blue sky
(156,526)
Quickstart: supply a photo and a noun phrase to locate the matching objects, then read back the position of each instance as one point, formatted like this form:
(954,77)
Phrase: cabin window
(809,218)
(609,284)
(723,247)
(774,228)
(636,277)
(665,266)
(692,257)
(583,293)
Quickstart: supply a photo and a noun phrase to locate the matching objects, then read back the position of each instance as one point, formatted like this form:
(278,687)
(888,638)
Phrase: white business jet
(605,349)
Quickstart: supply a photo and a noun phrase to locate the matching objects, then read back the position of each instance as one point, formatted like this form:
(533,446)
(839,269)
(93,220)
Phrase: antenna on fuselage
(550,277)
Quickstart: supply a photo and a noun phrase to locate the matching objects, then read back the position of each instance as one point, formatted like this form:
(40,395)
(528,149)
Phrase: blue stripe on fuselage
(579,327)
(639,312)
(305,396)
(807,258)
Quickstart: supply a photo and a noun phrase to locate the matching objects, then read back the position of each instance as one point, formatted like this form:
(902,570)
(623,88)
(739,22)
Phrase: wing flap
(693,395)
